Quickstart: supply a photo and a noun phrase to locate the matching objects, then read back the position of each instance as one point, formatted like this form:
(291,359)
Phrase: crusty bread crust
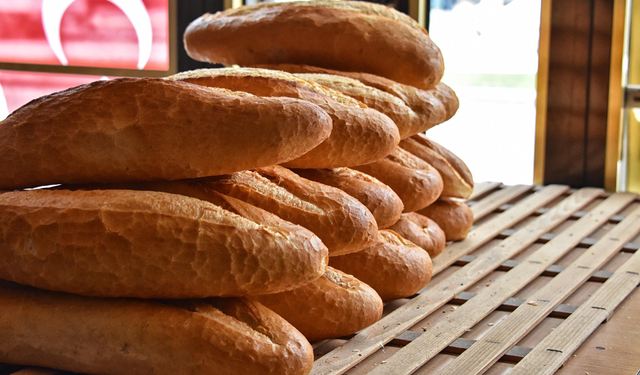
(385,205)
(415,181)
(354,36)
(394,266)
(404,117)
(452,215)
(335,305)
(116,335)
(422,231)
(433,106)
(456,176)
(120,243)
(151,129)
(360,135)
(343,223)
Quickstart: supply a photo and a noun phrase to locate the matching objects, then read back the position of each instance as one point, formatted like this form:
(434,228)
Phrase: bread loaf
(149,129)
(127,336)
(385,205)
(422,231)
(346,35)
(452,215)
(456,176)
(434,106)
(393,267)
(343,223)
(415,181)
(120,243)
(360,135)
(404,117)
(335,305)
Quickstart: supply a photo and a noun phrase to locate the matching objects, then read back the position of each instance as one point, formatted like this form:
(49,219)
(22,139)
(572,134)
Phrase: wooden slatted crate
(525,293)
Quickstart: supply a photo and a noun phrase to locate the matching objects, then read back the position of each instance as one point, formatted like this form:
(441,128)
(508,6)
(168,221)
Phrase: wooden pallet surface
(525,281)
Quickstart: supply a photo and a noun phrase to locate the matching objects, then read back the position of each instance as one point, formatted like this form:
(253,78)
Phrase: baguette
(345,35)
(394,267)
(335,305)
(126,336)
(343,223)
(404,117)
(434,106)
(385,205)
(422,231)
(151,129)
(415,181)
(121,243)
(360,135)
(452,215)
(456,176)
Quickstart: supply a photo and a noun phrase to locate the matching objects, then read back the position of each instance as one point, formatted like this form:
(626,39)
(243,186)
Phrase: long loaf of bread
(335,305)
(456,176)
(343,223)
(360,135)
(121,243)
(345,35)
(151,129)
(415,181)
(225,336)
(393,267)
(385,205)
(433,106)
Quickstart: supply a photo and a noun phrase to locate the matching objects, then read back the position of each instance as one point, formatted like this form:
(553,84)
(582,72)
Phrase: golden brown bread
(456,176)
(335,305)
(121,243)
(360,135)
(346,35)
(128,336)
(385,205)
(415,181)
(394,266)
(151,129)
(452,215)
(434,106)
(404,117)
(343,223)
(422,231)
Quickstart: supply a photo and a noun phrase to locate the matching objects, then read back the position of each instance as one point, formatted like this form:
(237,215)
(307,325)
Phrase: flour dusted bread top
(349,36)
(123,243)
(151,129)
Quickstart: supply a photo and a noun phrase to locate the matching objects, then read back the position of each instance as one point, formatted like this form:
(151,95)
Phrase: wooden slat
(430,343)
(599,276)
(514,354)
(497,199)
(555,349)
(371,338)
(491,228)
(480,356)
(482,188)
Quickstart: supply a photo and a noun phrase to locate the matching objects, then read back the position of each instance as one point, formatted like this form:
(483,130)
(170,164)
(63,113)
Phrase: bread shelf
(527,291)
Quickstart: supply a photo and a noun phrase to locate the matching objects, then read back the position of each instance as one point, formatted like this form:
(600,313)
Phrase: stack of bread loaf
(218,220)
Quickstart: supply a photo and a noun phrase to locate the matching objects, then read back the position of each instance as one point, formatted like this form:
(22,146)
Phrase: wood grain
(413,356)
(480,356)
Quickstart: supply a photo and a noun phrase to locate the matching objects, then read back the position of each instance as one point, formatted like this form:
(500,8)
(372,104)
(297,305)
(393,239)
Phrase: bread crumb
(490,324)
(532,303)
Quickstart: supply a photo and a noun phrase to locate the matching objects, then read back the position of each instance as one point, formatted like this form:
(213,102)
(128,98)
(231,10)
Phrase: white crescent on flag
(4,109)
(136,12)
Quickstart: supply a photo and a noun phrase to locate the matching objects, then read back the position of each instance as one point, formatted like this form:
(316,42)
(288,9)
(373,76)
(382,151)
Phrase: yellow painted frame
(542,92)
